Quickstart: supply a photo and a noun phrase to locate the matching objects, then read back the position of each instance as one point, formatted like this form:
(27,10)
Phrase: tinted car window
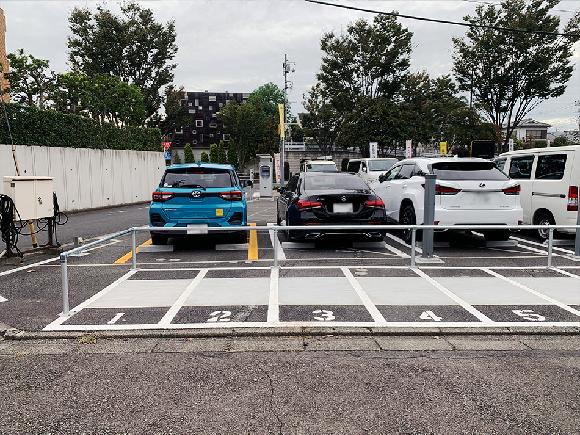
(381,165)
(197,177)
(320,167)
(406,172)
(521,167)
(330,182)
(474,171)
(500,163)
(392,173)
(353,166)
(551,167)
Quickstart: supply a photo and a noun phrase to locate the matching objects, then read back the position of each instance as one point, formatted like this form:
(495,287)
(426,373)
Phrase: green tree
(233,154)
(30,79)
(188,154)
(214,153)
(511,73)
(176,113)
(221,152)
(321,122)
(176,158)
(560,141)
(204,157)
(265,100)
(132,46)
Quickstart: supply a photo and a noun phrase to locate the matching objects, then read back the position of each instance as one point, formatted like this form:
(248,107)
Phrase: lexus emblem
(343,198)
(482,185)
(196,193)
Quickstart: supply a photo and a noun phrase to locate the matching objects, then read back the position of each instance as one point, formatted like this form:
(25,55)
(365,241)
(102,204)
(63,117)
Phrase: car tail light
(514,190)
(304,204)
(161,196)
(234,195)
(573,198)
(446,190)
(375,203)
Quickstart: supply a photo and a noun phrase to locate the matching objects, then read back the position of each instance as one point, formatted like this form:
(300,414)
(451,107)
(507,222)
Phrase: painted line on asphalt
(3,299)
(253,244)
(364,297)
(466,306)
(396,251)
(172,312)
(123,259)
(273,298)
(563,272)
(276,243)
(402,242)
(555,248)
(532,291)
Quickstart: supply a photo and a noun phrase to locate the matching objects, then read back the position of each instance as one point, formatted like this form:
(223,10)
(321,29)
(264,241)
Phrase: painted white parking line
(402,242)
(29,266)
(276,243)
(3,299)
(396,251)
(545,246)
(273,300)
(453,296)
(532,291)
(371,308)
(563,272)
(172,312)
(115,319)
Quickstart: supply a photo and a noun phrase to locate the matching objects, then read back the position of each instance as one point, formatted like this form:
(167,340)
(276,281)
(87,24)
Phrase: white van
(549,179)
(370,169)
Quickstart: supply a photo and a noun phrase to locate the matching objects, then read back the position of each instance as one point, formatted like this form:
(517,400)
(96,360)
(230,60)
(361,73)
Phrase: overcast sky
(237,45)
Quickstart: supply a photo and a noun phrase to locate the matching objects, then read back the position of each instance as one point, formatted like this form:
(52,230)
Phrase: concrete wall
(87,178)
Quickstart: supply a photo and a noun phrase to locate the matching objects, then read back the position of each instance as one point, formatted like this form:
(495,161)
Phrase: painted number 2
(323,315)
(430,315)
(529,315)
(220,316)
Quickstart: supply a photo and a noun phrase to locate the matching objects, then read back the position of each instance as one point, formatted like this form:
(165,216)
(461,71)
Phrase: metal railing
(310,228)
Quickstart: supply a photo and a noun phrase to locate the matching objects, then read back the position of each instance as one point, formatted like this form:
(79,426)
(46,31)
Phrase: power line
(455,23)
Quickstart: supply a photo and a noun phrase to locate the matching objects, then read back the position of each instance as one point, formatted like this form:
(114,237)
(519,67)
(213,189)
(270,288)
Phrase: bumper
(235,217)
(478,217)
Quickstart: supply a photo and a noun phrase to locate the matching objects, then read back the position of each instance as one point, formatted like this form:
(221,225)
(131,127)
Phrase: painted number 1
(220,316)
(430,315)
(529,315)
(323,315)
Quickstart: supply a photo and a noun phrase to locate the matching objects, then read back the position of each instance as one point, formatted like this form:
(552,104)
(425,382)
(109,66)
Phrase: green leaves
(188,154)
(30,79)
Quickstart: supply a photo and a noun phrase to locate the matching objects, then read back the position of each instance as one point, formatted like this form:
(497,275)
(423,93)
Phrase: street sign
(167,155)
(277,166)
(442,148)
(166,145)
(408,149)
(511,144)
(373,150)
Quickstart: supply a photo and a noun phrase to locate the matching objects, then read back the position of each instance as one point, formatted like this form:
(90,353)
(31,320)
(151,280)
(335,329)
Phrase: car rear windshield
(321,167)
(381,165)
(197,177)
(339,182)
(475,171)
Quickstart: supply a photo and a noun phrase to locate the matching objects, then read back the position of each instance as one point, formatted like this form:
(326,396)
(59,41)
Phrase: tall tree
(30,79)
(511,73)
(132,46)
(176,113)
(265,100)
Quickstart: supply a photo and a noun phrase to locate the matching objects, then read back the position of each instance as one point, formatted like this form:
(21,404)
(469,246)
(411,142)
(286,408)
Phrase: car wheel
(544,218)
(497,236)
(407,217)
(278,220)
(240,237)
(159,239)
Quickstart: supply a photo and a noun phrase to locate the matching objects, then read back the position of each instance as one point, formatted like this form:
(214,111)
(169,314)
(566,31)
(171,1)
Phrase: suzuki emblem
(196,193)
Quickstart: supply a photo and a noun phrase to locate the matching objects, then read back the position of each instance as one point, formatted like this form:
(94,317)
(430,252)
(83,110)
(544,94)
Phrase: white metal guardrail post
(429,214)
(577,250)
(133,249)
(275,241)
(413,242)
(64,270)
(550,245)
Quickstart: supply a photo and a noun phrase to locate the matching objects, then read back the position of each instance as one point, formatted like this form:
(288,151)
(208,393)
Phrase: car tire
(240,237)
(159,239)
(496,236)
(543,218)
(407,217)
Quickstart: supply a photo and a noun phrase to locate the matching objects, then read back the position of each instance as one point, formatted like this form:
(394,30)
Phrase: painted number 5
(529,315)
(323,315)
(220,316)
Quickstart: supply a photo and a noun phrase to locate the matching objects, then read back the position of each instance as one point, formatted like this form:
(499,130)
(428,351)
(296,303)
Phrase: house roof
(529,122)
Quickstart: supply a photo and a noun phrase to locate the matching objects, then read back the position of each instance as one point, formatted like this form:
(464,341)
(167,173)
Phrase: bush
(221,153)
(560,141)
(232,154)
(176,158)
(213,153)
(188,154)
(33,126)
(204,157)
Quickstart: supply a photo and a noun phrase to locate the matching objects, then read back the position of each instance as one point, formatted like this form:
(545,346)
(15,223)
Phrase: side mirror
(364,169)
(249,183)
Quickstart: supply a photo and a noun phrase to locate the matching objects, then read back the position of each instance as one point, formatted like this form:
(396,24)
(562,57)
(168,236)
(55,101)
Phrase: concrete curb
(15,334)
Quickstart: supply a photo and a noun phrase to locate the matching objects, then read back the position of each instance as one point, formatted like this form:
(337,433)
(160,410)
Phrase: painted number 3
(220,316)
(529,315)
(323,315)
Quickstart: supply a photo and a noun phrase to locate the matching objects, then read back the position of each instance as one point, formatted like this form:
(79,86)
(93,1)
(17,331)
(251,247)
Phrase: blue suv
(197,196)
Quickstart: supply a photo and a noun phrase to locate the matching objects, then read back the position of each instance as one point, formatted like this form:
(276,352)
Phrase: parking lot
(209,283)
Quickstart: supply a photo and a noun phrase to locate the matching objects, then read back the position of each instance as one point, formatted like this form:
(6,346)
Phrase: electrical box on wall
(32,196)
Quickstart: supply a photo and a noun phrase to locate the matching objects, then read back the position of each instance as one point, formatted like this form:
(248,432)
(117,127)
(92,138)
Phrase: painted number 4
(323,315)
(529,315)
(220,316)
(430,315)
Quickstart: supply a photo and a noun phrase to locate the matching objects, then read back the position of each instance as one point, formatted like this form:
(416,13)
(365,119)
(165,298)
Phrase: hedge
(32,126)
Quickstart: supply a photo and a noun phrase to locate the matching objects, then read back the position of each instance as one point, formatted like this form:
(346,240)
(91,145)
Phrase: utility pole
(287,68)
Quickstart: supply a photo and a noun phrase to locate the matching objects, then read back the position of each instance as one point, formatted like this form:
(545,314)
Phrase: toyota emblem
(343,198)
(196,193)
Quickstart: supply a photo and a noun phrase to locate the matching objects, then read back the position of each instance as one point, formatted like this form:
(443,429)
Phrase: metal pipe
(275,247)
(133,249)
(577,250)
(429,215)
(550,245)
(64,270)
(413,242)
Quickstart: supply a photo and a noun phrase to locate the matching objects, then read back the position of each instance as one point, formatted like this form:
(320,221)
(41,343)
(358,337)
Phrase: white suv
(468,191)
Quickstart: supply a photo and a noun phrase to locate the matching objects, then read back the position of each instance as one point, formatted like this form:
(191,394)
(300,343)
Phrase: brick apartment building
(205,127)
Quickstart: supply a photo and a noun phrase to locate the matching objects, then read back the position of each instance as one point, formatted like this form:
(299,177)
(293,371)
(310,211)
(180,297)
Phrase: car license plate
(197,229)
(343,208)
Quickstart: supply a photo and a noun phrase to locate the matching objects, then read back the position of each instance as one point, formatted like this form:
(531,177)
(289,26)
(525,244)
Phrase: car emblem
(196,193)
(481,184)
(343,198)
